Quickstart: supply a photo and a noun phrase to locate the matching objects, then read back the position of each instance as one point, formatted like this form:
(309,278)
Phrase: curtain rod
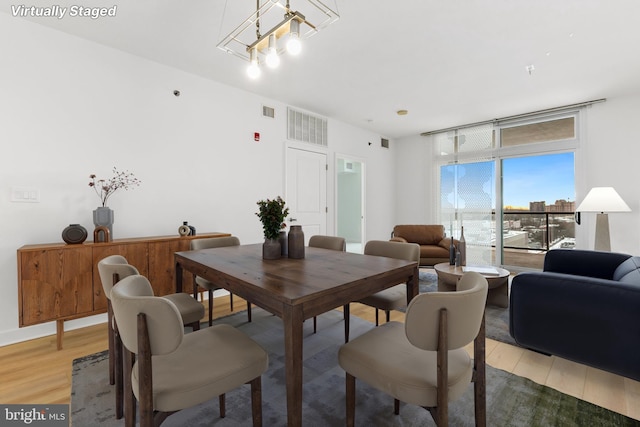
(517,116)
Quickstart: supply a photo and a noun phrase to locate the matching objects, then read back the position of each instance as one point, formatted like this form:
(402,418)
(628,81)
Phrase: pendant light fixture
(286,34)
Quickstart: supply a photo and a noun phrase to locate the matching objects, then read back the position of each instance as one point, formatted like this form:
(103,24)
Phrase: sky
(540,178)
(525,179)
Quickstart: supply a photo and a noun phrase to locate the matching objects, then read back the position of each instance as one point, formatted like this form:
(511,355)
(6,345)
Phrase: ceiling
(448,62)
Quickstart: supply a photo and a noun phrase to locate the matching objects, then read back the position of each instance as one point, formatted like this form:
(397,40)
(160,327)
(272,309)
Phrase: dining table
(296,289)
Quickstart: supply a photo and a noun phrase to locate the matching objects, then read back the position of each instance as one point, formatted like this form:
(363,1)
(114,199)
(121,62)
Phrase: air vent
(384,143)
(268,111)
(306,128)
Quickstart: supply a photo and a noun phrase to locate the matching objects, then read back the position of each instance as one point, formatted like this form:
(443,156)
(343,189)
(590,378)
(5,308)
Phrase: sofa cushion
(420,234)
(628,271)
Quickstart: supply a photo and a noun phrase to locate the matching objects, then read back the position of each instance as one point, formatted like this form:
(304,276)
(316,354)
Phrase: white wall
(608,156)
(70,108)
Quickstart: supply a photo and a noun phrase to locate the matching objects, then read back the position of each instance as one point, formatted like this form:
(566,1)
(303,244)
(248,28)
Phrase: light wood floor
(34,372)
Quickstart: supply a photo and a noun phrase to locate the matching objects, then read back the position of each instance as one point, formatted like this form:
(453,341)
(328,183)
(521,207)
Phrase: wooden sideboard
(60,281)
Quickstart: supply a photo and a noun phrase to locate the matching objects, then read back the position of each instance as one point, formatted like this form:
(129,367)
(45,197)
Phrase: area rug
(511,400)
(496,318)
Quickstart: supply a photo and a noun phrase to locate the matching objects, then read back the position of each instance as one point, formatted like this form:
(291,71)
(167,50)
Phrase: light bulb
(272,59)
(253,71)
(293,44)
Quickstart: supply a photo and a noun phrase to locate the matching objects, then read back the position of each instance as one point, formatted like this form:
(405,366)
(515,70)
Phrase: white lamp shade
(603,199)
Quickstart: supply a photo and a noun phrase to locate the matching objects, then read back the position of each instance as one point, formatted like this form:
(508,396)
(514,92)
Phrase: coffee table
(448,276)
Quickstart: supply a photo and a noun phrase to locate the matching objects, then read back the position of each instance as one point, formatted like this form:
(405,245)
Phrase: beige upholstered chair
(112,269)
(214,242)
(393,298)
(423,362)
(333,243)
(174,370)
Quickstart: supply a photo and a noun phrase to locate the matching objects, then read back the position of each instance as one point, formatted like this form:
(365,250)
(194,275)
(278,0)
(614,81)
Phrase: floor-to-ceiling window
(511,185)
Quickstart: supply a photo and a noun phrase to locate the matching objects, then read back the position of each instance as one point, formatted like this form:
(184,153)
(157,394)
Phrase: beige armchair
(111,270)
(434,245)
(174,370)
(423,362)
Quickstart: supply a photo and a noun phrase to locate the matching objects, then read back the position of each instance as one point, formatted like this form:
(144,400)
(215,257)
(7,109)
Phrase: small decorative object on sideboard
(74,234)
(104,188)
(186,230)
(296,242)
(272,214)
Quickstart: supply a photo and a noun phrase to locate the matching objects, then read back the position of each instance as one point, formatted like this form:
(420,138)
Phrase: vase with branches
(103,216)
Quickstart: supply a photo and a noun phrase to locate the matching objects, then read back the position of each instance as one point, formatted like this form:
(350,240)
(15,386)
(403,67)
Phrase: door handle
(292,219)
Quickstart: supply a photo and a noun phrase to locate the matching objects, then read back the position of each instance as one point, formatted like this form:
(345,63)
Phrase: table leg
(178,278)
(292,323)
(413,287)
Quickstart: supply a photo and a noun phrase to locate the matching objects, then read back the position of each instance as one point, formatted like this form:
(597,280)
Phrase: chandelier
(286,30)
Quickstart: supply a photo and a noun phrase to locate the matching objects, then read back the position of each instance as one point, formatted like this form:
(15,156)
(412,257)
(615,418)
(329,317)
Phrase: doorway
(306,191)
(350,203)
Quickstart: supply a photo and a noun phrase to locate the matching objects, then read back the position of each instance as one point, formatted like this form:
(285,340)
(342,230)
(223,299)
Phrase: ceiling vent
(306,128)
(384,143)
(268,111)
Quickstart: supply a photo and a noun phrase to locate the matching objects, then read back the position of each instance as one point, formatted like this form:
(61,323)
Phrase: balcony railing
(544,231)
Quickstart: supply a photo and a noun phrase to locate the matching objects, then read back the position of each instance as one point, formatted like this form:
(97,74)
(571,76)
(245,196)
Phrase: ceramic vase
(271,249)
(462,248)
(74,234)
(103,216)
(296,242)
(284,244)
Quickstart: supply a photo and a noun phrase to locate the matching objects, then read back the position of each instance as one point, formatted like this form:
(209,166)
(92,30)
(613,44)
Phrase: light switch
(25,195)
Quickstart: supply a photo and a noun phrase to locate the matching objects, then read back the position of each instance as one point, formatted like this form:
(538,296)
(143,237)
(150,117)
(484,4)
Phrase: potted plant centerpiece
(272,213)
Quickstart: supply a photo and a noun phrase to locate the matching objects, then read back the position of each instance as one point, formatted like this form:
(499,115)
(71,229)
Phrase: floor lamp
(602,200)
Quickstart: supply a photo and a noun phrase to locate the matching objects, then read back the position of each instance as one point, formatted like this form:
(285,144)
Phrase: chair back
(214,242)
(111,265)
(133,295)
(398,250)
(328,242)
(465,310)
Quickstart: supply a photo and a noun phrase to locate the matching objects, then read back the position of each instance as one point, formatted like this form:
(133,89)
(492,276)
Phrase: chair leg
(346,309)
(479,381)
(223,406)
(315,324)
(129,398)
(111,342)
(396,406)
(210,308)
(377,317)
(256,401)
(249,311)
(388,312)
(195,326)
(351,399)
(119,373)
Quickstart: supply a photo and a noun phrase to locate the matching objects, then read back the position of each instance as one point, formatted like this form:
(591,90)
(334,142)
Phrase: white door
(307,191)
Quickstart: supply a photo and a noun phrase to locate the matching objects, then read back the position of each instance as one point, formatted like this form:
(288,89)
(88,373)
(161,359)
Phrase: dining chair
(173,370)
(423,362)
(214,242)
(111,270)
(393,298)
(333,243)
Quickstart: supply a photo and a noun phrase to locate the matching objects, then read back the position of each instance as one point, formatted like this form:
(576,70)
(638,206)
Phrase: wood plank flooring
(35,372)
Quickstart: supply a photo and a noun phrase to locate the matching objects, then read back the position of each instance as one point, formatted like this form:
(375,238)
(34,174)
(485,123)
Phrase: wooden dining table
(296,289)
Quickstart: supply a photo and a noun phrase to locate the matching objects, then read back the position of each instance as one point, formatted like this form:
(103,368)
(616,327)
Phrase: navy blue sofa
(584,306)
